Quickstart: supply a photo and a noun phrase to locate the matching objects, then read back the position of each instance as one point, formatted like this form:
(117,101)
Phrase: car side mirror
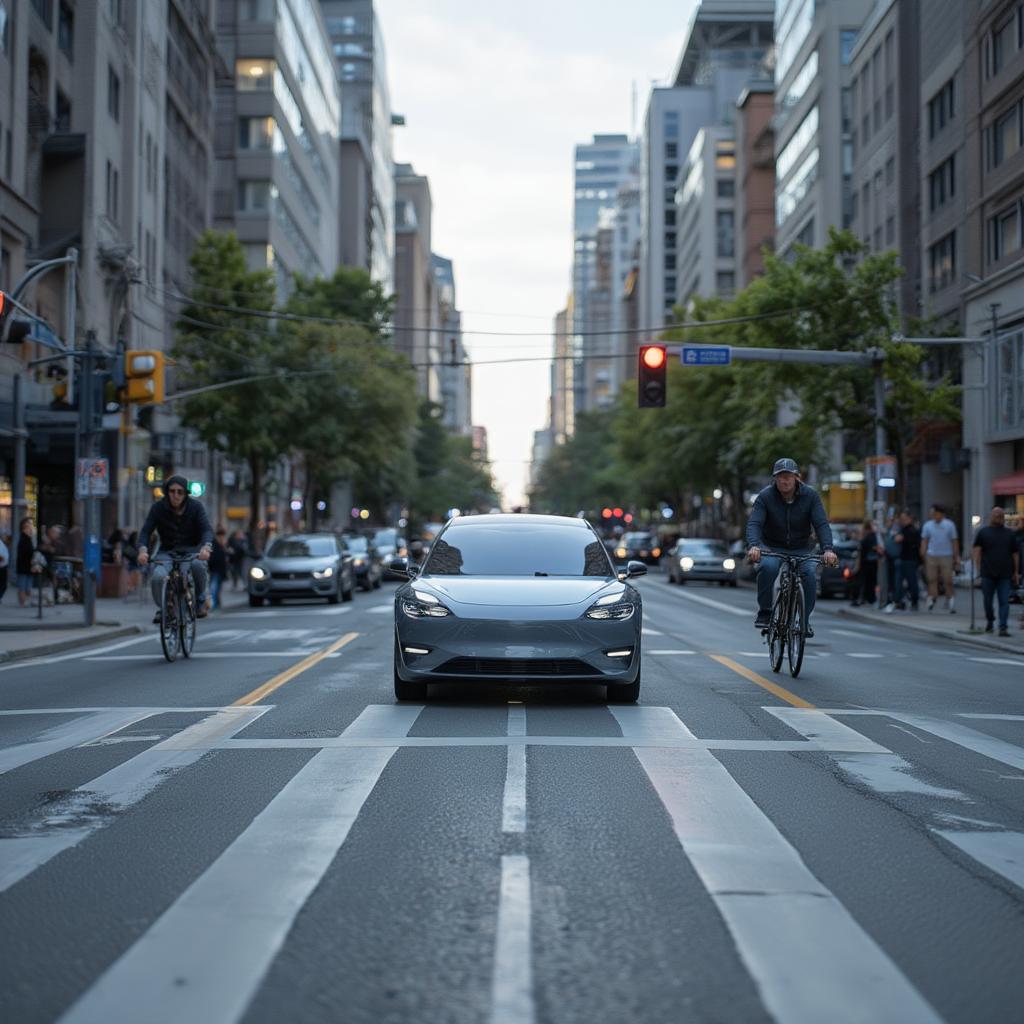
(633,568)
(402,567)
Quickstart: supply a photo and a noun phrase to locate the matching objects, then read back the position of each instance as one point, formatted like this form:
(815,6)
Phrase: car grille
(290,575)
(515,667)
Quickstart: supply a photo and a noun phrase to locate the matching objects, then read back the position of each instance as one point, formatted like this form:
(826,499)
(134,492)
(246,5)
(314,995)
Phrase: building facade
(562,407)
(367,215)
(455,372)
(755,180)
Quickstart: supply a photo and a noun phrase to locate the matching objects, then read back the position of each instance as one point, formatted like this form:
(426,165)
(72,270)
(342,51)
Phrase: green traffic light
(196,488)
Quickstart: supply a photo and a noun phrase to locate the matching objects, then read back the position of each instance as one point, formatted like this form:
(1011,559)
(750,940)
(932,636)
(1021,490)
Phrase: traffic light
(16,331)
(196,488)
(651,373)
(144,377)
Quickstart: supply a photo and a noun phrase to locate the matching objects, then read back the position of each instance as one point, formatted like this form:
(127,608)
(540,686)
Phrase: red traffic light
(617,513)
(606,513)
(653,357)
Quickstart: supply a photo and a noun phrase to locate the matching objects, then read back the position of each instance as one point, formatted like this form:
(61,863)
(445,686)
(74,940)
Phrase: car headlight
(323,574)
(424,606)
(611,606)
(620,553)
(359,561)
(257,573)
(686,563)
(729,564)
(656,552)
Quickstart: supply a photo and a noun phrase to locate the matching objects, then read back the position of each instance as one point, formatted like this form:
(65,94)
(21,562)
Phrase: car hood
(518,591)
(299,564)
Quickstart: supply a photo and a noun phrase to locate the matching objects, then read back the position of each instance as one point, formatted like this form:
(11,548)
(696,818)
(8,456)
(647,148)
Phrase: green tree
(349,295)
(580,473)
(214,346)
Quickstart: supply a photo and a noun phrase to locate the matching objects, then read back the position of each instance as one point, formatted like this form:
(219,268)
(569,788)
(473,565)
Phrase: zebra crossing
(204,957)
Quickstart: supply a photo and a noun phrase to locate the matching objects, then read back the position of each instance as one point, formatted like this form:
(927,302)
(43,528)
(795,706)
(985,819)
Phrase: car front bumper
(303,587)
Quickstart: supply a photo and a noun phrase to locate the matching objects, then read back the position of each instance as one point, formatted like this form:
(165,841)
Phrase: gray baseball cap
(785,466)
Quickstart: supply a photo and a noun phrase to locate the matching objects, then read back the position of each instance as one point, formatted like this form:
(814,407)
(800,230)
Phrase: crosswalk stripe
(808,956)
(205,957)
(971,739)
(114,791)
(70,734)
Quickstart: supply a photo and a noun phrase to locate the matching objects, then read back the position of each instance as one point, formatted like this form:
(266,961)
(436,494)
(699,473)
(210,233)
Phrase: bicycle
(787,629)
(178,608)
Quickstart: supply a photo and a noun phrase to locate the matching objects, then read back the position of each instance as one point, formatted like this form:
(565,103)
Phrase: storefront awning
(1012,484)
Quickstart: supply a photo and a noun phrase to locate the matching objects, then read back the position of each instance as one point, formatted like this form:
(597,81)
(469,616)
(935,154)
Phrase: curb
(59,646)
(960,638)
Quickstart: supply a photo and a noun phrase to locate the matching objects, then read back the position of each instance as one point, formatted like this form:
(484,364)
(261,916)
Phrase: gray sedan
(302,565)
(517,598)
(699,558)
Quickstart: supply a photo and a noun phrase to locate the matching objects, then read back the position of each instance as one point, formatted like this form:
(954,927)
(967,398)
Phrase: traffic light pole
(87,431)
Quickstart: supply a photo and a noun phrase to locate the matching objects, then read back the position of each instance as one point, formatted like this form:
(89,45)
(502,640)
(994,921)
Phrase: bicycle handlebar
(789,556)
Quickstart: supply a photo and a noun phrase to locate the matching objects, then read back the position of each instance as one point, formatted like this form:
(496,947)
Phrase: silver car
(699,558)
(302,565)
(517,598)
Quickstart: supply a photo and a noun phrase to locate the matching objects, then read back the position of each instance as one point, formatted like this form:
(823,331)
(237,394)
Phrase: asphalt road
(263,835)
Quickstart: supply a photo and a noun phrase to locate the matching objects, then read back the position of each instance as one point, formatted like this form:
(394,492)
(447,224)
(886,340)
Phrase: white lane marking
(513,801)
(512,985)
(720,605)
(999,718)
(297,653)
(380,609)
(93,805)
(670,652)
(998,661)
(384,721)
(868,655)
(207,954)
(808,956)
(1001,852)
(859,635)
(890,773)
(819,727)
(52,659)
(752,654)
(971,739)
(70,734)
(647,631)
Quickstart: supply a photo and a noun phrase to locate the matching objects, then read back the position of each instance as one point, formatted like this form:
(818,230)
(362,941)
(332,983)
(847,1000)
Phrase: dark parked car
(366,563)
(839,580)
(518,598)
(639,547)
(698,558)
(390,544)
(302,565)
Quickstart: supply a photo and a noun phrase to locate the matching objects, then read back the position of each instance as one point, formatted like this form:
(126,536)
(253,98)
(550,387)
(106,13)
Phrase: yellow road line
(290,673)
(780,691)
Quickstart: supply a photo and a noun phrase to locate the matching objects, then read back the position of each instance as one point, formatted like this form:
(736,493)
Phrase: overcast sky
(495,95)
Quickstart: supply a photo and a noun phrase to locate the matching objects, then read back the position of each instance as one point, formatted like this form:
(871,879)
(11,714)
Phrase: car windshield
(637,540)
(302,547)
(385,538)
(482,550)
(702,548)
(357,545)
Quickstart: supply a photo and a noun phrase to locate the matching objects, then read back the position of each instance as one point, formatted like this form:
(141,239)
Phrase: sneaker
(763,620)
(1003,631)
(988,627)
(156,618)
(809,634)
(951,606)
(931,603)
(890,608)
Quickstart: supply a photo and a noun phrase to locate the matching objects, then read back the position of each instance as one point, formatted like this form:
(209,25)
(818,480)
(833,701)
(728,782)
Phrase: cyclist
(782,518)
(181,523)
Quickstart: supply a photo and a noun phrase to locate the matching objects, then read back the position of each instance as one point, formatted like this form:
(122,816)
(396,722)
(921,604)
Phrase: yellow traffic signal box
(144,377)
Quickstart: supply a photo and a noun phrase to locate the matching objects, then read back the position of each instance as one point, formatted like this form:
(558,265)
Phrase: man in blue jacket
(783,516)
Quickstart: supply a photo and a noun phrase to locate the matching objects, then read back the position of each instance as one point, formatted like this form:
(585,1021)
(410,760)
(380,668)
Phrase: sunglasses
(176,490)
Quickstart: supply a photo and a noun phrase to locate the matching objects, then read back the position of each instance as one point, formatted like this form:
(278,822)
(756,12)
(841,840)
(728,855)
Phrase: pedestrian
(23,561)
(237,550)
(909,562)
(869,551)
(218,564)
(940,550)
(5,561)
(130,559)
(997,559)
(892,554)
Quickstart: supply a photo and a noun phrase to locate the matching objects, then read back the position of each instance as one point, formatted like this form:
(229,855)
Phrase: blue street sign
(705,355)
(92,553)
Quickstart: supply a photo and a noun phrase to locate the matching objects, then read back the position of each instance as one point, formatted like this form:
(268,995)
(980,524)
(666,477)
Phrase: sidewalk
(24,635)
(939,623)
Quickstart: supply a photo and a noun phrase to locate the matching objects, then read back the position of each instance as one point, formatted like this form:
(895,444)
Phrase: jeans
(767,572)
(991,588)
(216,582)
(907,572)
(868,581)
(161,567)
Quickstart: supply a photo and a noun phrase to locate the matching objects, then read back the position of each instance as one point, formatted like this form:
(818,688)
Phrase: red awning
(1012,484)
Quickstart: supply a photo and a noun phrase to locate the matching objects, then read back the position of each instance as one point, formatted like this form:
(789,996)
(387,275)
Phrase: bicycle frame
(178,608)
(787,628)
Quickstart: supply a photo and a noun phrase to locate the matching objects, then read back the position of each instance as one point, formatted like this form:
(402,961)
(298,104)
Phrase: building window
(4,30)
(670,261)
(671,172)
(797,143)
(62,118)
(117,11)
(890,170)
(942,262)
(1005,42)
(847,37)
(112,191)
(725,155)
(257,10)
(942,183)
(671,124)
(670,218)
(941,108)
(254,75)
(1005,232)
(1006,135)
(113,94)
(66,30)
(725,281)
(670,239)
(806,77)
(725,235)
(671,150)
(256,132)
(255,196)
(44,8)
(890,230)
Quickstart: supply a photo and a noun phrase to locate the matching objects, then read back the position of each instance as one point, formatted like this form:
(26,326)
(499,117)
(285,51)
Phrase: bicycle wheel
(169,632)
(777,630)
(187,616)
(797,632)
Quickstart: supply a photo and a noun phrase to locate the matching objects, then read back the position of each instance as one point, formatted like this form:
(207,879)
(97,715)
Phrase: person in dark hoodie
(782,518)
(181,523)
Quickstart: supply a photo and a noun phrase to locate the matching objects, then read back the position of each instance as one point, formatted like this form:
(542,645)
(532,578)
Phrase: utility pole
(86,428)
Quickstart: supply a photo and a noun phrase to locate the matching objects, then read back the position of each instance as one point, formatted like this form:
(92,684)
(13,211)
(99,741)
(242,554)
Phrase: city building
(706,216)
(367,214)
(541,449)
(277,143)
(814,41)
(628,231)
(455,371)
(562,406)
(755,180)
(417,326)
(601,169)
(992,266)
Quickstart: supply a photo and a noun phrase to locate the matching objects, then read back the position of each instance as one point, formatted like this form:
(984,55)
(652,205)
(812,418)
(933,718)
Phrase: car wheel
(335,597)
(669,577)
(407,691)
(347,595)
(624,693)
(732,583)
(376,583)
(255,602)
(682,581)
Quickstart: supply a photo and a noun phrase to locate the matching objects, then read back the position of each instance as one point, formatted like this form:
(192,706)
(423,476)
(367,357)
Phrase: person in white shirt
(940,549)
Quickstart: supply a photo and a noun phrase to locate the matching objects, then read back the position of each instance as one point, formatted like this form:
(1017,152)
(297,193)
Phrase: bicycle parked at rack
(787,628)
(178,607)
